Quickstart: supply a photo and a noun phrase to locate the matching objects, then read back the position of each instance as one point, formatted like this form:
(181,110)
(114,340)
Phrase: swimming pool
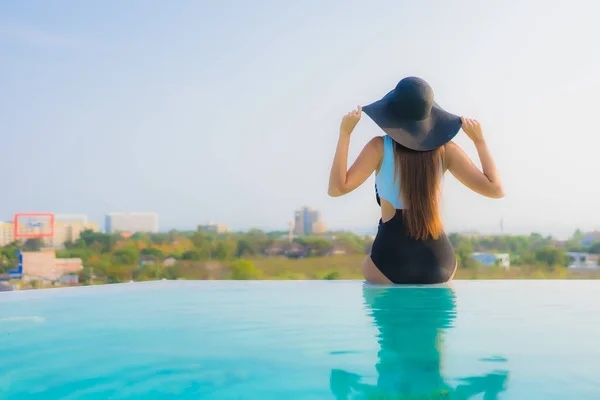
(302,340)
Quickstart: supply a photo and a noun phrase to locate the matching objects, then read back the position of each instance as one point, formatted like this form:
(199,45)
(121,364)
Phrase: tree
(85,276)
(245,248)
(194,255)
(150,272)
(463,255)
(551,256)
(199,239)
(152,251)
(119,273)
(126,256)
(319,246)
(256,233)
(351,242)
(104,242)
(225,250)
(8,254)
(159,238)
(244,269)
(527,258)
(5,266)
(595,248)
(33,244)
(84,253)
(332,276)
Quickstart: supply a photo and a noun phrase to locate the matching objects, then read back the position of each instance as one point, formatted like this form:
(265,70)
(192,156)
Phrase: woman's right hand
(350,120)
(472,128)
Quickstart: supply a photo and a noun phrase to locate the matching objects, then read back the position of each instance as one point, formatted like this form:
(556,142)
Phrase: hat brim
(425,135)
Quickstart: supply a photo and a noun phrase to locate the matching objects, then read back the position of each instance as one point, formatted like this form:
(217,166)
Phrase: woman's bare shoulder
(376,143)
(452,151)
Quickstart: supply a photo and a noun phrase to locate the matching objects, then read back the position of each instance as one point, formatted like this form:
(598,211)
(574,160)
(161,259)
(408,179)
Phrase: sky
(228,111)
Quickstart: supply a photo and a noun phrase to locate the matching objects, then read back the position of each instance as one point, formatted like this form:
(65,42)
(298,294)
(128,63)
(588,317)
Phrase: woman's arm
(342,180)
(486,183)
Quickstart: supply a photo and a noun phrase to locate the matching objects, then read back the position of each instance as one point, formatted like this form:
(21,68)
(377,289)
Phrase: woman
(411,246)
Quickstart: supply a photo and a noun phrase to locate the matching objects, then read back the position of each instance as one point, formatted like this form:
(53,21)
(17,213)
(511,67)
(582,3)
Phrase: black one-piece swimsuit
(406,260)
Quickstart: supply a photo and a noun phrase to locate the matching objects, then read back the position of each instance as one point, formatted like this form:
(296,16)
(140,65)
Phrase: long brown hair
(420,182)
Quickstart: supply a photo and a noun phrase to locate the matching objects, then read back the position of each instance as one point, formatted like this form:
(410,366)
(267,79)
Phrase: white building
(212,227)
(131,222)
(501,259)
(6,233)
(66,229)
(582,260)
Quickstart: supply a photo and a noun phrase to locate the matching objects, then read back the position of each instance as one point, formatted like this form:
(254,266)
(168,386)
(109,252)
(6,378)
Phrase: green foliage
(225,250)
(246,247)
(595,248)
(152,251)
(159,238)
(318,245)
(33,244)
(99,242)
(244,269)
(551,256)
(195,255)
(528,258)
(85,276)
(463,254)
(8,257)
(116,273)
(332,276)
(151,272)
(126,256)
(352,242)
(256,233)
(238,255)
(84,253)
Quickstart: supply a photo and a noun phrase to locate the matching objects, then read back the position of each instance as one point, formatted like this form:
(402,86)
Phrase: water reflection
(411,324)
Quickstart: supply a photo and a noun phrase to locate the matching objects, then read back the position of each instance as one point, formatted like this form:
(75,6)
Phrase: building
(582,260)
(308,221)
(590,238)
(81,218)
(489,259)
(64,231)
(212,227)
(7,233)
(68,232)
(131,222)
(44,266)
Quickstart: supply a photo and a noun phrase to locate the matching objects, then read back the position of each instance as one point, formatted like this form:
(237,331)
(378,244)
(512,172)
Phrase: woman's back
(405,177)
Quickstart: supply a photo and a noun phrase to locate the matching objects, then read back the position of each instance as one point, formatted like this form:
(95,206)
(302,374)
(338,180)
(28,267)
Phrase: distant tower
(291,231)
(501,225)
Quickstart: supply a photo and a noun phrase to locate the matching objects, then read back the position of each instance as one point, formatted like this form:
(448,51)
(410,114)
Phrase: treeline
(534,250)
(196,255)
(110,258)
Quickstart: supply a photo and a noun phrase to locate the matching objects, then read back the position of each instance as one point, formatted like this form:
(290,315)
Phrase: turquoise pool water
(302,340)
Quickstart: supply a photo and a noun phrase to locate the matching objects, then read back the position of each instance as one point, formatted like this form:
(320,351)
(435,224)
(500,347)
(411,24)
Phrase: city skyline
(65,219)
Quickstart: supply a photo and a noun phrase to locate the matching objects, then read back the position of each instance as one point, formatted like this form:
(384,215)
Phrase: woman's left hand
(350,120)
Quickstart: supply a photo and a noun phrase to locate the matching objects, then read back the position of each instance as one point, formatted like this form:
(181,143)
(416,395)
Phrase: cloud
(34,36)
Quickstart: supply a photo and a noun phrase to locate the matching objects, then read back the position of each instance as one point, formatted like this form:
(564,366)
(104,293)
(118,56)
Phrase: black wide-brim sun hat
(410,116)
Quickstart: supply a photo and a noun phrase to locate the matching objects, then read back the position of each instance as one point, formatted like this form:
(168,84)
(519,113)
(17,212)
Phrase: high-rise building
(6,233)
(131,222)
(65,229)
(308,221)
(212,227)
(68,232)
